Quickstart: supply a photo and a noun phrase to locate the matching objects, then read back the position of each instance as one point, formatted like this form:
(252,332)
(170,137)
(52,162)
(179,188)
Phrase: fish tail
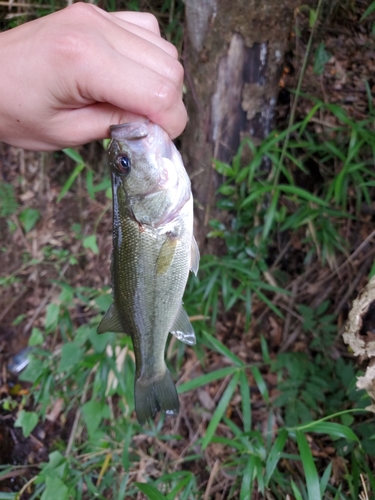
(155,394)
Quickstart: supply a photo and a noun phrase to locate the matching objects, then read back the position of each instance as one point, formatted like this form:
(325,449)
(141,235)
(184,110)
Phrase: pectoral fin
(111,321)
(166,254)
(194,259)
(182,328)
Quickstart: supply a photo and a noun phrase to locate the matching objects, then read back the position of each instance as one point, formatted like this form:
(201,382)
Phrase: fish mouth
(129,131)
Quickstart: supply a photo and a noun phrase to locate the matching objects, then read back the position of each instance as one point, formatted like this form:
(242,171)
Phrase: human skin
(65,78)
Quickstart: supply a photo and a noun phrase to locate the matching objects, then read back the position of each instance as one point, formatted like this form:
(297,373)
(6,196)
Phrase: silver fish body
(153,251)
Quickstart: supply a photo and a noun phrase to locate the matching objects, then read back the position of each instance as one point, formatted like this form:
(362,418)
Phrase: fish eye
(123,164)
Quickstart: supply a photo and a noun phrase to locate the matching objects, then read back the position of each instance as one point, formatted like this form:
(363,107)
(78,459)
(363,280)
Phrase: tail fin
(154,394)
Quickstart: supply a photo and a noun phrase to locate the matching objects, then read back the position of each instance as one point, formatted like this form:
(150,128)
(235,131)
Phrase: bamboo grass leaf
(274,455)
(206,379)
(311,474)
(220,410)
(222,349)
(151,491)
(245,401)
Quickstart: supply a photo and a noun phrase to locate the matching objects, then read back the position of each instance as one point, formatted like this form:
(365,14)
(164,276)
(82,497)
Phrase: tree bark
(233,57)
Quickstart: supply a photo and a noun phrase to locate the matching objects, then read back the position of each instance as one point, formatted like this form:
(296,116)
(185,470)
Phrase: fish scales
(153,251)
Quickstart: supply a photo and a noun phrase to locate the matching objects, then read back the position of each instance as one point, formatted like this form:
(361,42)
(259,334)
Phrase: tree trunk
(233,57)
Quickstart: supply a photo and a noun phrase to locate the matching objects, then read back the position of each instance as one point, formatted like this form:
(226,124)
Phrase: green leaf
(325,478)
(222,349)
(90,242)
(55,489)
(271,214)
(93,412)
(274,455)
(100,341)
(220,410)
(33,370)
(71,354)
(223,168)
(370,9)
(246,402)
(296,491)
(312,17)
(28,218)
(74,155)
(311,474)
(36,337)
(150,491)
(321,58)
(332,429)
(68,184)
(52,315)
(247,480)
(262,386)
(206,379)
(27,420)
(8,202)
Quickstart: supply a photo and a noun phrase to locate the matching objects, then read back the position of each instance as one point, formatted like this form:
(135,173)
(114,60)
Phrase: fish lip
(130,130)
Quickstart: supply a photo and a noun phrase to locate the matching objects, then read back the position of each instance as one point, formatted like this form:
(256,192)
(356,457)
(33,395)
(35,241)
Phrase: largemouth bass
(153,251)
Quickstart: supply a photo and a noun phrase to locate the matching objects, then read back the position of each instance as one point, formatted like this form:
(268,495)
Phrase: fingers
(135,42)
(131,74)
(72,74)
(142,19)
(142,24)
(145,20)
(141,91)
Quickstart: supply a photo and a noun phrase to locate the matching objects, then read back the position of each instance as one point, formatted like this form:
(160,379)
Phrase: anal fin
(111,321)
(194,256)
(182,328)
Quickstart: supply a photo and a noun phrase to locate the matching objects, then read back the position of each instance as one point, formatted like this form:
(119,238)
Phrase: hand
(65,78)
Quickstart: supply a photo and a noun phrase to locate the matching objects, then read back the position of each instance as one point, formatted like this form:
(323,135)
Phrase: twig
(78,414)
(214,471)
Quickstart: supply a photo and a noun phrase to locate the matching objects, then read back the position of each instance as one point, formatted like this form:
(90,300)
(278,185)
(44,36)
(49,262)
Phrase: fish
(153,251)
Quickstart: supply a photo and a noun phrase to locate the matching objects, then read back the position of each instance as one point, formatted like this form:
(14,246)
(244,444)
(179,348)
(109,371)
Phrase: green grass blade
(262,386)
(74,155)
(325,478)
(222,349)
(296,491)
(71,179)
(274,455)
(271,214)
(302,193)
(150,491)
(246,402)
(333,429)
(247,480)
(220,410)
(206,379)
(311,474)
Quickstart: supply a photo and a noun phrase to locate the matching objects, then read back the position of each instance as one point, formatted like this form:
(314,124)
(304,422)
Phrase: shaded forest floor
(70,241)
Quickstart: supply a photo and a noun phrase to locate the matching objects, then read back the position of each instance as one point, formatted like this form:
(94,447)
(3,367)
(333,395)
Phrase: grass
(269,404)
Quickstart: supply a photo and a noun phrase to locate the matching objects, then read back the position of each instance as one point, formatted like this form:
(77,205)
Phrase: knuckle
(71,46)
(166,95)
(80,10)
(176,74)
(172,50)
(151,22)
